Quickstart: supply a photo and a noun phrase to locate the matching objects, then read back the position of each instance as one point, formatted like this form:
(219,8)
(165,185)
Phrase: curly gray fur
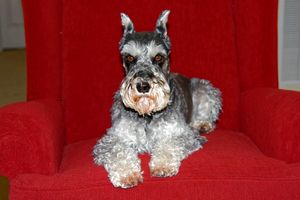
(177,108)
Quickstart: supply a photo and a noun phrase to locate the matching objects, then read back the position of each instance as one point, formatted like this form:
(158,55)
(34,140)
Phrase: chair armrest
(271,117)
(31,137)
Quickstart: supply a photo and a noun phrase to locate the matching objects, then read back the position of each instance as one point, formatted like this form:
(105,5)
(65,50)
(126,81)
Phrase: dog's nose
(143,87)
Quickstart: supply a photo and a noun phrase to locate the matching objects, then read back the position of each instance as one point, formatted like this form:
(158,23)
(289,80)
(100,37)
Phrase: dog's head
(145,58)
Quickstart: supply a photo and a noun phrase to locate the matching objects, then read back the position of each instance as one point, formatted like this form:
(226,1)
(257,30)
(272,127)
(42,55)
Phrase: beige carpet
(3,188)
(12,76)
(12,89)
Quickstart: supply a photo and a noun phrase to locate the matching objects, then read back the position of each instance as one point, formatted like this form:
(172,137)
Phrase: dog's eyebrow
(133,48)
(153,49)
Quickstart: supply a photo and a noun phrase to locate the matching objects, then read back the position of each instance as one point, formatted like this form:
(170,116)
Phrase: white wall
(289,44)
(11,24)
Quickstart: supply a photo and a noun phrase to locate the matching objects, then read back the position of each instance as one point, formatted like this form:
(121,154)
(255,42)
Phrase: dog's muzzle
(145,92)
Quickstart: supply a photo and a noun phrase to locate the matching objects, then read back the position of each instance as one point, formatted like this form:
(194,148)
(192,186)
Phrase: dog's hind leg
(207,105)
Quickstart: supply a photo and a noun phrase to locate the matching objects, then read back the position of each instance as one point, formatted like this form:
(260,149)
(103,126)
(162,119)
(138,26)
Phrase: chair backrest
(211,39)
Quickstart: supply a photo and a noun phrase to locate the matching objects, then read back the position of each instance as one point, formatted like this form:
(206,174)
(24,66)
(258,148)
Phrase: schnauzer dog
(154,111)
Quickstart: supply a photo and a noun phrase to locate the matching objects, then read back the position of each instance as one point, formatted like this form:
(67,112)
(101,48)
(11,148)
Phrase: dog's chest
(141,134)
(134,133)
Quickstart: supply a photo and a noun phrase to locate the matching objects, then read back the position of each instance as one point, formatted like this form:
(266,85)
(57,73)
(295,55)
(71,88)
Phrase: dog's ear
(127,24)
(161,24)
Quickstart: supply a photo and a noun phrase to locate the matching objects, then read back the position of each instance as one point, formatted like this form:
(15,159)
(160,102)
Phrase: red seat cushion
(229,166)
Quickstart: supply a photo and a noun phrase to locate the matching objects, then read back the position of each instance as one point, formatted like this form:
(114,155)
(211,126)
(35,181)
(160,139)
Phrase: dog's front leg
(120,161)
(169,150)
(165,159)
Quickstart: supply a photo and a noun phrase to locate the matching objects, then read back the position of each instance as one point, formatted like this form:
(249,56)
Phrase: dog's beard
(155,100)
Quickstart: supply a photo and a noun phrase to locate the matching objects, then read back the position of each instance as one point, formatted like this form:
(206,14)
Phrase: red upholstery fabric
(43,24)
(92,67)
(229,167)
(31,138)
(72,56)
(256,43)
(272,119)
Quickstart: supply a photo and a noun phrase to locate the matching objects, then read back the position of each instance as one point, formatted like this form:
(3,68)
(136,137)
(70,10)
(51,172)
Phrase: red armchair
(73,69)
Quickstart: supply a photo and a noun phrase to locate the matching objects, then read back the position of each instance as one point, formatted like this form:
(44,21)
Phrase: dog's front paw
(163,171)
(131,180)
(127,181)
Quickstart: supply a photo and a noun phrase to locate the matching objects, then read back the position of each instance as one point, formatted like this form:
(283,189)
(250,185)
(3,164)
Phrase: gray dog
(154,111)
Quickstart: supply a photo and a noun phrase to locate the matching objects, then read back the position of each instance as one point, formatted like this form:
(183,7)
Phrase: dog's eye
(158,58)
(129,59)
